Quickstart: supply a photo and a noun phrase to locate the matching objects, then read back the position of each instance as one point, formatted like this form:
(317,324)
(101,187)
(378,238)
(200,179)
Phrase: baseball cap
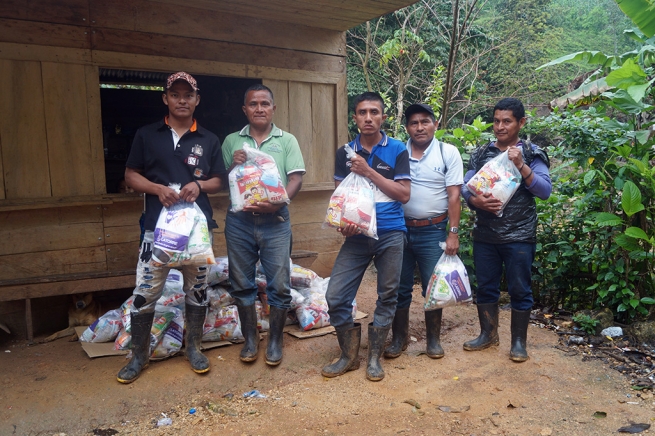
(417,108)
(181,75)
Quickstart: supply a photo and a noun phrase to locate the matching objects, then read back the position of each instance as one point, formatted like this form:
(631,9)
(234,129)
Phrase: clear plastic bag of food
(449,283)
(222,324)
(498,177)
(219,272)
(256,180)
(353,202)
(181,236)
(171,342)
(104,329)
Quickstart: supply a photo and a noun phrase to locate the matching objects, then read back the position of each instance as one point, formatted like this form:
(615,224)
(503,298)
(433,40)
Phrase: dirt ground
(55,389)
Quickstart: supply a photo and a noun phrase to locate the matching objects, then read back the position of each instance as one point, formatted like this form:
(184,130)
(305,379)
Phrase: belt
(426,222)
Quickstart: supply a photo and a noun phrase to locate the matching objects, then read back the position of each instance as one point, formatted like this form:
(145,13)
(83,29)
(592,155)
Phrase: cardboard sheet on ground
(102,349)
(295,330)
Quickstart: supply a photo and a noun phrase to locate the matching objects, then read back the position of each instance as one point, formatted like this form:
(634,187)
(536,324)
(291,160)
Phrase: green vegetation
(596,240)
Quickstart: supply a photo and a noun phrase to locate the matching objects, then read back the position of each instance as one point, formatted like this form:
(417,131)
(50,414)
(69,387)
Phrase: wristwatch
(454,230)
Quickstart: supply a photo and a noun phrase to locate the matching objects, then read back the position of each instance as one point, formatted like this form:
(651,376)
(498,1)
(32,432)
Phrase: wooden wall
(55,215)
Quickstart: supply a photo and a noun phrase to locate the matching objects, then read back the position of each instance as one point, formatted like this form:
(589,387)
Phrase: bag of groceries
(353,202)
(449,283)
(499,177)
(257,179)
(182,236)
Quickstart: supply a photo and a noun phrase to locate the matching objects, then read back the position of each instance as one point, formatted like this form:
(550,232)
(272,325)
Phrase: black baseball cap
(417,108)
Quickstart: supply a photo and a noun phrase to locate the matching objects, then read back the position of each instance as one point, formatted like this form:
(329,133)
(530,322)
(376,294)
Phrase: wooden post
(28,320)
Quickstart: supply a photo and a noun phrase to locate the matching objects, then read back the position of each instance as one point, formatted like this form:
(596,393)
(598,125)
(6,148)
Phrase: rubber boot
(194,320)
(400,332)
(248,319)
(520,321)
(349,340)
(276,321)
(488,314)
(433,333)
(141,325)
(376,338)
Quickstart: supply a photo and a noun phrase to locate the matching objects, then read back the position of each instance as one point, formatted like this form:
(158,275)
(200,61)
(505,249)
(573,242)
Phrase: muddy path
(55,388)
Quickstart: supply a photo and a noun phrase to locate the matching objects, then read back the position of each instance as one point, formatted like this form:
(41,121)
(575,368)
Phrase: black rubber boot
(400,333)
(433,333)
(277,319)
(248,319)
(194,319)
(349,340)
(376,338)
(140,330)
(520,321)
(488,314)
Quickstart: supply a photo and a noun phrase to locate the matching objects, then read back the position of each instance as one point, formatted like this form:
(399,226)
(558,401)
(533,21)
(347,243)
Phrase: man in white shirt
(431,216)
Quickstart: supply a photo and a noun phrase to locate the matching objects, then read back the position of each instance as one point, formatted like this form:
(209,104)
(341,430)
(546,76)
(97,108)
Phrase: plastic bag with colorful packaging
(353,202)
(449,283)
(498,177)
(256,180)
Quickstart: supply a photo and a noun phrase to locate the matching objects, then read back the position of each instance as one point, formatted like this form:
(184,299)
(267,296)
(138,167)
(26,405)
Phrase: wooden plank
(30,52)
(16,220)
(122,256)
(314,238)
(60,11)
(110,59)
(57,35)
(95,129)
(280,90)
(341,107)
(65,277)
(125,41)
(52,262)
(324,137)
(2,171)
(67,126)
(122,214)
(162,18)
(19,292)
(286,12)
(34,240)
(24,150)
(309,207)
(54,203)
(220,245)
(300,124)
(324,263)
(122,234)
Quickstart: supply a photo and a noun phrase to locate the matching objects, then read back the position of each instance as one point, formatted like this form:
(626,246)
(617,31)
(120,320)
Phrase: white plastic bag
(104,329)
(181,236)
(499,177)
(353,202)
(449,283)
(257,179)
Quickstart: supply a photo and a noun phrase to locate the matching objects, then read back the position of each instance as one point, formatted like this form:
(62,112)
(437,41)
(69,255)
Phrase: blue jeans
(422,249)
(349,268)
(264,237)
(517,257)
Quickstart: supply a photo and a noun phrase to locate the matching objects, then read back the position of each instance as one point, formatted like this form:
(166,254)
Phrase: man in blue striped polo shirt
(385,162)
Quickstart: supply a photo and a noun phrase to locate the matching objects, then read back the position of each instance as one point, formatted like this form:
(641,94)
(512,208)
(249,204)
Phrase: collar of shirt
(276,132)
(357,145)
(176,137)
(408,145)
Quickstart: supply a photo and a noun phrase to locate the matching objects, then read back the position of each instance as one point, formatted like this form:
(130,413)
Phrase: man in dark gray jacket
(509,240)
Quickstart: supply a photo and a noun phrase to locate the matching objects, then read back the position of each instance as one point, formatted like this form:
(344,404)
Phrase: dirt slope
(55,388)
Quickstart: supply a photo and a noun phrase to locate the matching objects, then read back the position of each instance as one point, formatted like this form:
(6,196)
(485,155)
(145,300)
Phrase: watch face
(454,230)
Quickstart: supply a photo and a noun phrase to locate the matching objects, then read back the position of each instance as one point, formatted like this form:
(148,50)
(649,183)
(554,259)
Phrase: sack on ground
(256,180)
(499,177)
(105,328)
(449,283)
